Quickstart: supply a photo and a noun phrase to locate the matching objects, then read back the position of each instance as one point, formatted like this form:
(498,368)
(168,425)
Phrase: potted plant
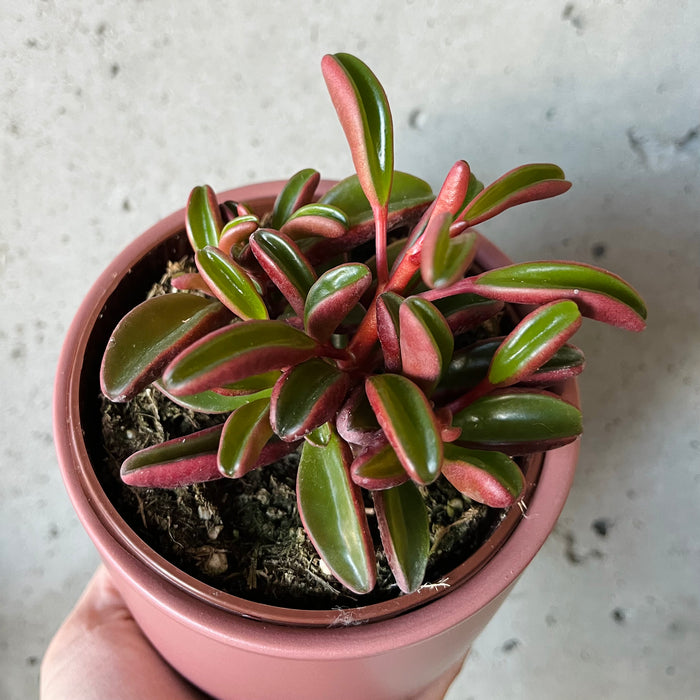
(367,368)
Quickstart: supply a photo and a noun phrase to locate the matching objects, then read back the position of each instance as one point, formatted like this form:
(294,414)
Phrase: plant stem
(381,215)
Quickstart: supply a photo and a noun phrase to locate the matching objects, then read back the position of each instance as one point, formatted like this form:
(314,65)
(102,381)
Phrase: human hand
(99,653)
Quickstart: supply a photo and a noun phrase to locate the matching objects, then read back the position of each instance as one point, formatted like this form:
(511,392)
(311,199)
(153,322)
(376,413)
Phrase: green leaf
(533,342)
(150,335)
(407,193)
(364,114)
(484,476)
(285,265)
(409,424)
(463,312)
(377,467)
(235,234)
(250,385)
(236,352)
(230,283)
(518,422)
(245,433)
(212,401)
(405,532)
(526,183)
(307,396)
(203,218)
(599,294)
(298,191)
(333,296)
(333,514)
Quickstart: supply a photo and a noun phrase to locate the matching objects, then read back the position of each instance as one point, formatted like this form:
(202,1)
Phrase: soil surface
(244,536)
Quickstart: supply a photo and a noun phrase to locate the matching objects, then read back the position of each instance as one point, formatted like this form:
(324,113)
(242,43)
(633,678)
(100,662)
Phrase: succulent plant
(361,364)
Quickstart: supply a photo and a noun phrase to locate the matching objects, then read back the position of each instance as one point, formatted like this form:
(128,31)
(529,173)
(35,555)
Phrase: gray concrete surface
(112,111)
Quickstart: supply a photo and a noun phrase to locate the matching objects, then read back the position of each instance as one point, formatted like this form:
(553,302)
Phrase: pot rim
(496,570)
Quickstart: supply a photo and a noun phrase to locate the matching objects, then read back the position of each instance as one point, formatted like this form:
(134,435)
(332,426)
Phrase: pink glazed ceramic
(231,655)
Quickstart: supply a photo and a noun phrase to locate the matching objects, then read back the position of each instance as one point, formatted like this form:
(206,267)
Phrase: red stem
(481,389)
(381,214)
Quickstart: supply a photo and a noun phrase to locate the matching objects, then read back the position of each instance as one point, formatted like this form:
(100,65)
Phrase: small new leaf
(298,191)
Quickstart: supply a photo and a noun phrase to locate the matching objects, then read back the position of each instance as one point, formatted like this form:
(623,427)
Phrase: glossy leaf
(333,514)
(356,422)
(464,312)
(470,365)
(235,234)
(409,195)
(245,433)
(387,310)
(405,416)
(518,422)
(150,336)
(426,342)
(533,342)
(250,385)
(179,462)
(333,296)
(212,401)
(306,396)
(526,183)
(322,220)
(404,528)
(203,217)
(298,191)
(364,114)
(285,265)
(230,283)
(484,476)
(236,352)
(377,467)
(445,259)
(599,294)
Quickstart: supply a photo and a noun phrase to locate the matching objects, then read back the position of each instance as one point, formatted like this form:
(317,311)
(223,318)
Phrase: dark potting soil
(244,536)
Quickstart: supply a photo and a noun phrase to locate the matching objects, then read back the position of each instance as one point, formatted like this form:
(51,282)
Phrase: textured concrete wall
(112,111)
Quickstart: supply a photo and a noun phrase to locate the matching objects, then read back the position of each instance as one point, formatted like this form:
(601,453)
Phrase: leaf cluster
(306,342)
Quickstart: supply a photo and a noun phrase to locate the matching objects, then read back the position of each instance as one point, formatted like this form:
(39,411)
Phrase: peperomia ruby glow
(360,363)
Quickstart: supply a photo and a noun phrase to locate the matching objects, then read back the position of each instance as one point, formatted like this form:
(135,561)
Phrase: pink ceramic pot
(215,642)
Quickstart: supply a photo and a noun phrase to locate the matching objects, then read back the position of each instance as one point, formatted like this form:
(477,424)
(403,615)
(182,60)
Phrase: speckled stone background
(112,111)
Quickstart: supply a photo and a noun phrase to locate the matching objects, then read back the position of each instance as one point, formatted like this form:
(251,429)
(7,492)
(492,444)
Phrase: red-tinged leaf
(203,218)
(298,191)
(333,296)
(150,336)
(363,111)
(191,281)
(445,259)
(317,219)
(518,421)
(426,342)
(356,422)
(599,294)
(212,401)
(245,433)
(179,462)
(405,416)
(464,312)
(470,365)
(377,467)
(404,528)
(533,342)
(285,265)
(448,432)
(306,396)
(235,234)
(333,514)
(236,352)
(230,283)
(387,310)
(491,478)
(526,183)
